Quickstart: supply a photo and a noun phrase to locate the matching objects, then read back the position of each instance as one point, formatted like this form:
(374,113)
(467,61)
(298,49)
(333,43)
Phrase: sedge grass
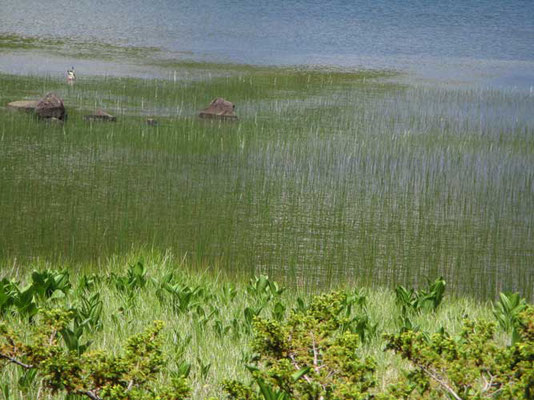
(327,177)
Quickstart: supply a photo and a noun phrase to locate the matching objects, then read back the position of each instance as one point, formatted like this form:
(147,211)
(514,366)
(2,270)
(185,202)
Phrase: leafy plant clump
(416,301)
(507,312)
(96,374)
(45,285)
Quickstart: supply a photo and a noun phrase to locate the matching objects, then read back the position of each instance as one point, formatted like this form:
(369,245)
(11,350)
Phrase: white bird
(71,77)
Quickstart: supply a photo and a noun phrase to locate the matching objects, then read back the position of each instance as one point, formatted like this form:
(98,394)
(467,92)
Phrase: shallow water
(485,41)
(322,181)
(319,183)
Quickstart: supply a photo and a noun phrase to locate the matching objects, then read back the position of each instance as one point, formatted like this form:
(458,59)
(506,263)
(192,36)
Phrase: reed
(328,177)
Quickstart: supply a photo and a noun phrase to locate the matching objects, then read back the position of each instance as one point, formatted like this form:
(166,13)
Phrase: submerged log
(23,105)
(219,109)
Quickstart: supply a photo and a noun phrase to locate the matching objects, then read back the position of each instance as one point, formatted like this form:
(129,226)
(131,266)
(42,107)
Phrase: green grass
(213,326)
(327,177)
(74,48)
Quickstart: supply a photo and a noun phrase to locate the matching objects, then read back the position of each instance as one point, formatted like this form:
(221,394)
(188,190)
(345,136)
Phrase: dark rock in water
(100,115)
(23,105)
(152,122)
(219,109)
(51,106)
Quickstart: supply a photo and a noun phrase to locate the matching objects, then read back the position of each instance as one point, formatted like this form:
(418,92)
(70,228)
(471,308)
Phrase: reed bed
(328,177)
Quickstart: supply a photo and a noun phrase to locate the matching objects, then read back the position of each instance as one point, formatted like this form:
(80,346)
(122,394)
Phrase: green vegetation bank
(149,327)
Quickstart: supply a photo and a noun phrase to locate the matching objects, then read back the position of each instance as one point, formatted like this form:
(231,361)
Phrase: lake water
(326,178)
(486,41)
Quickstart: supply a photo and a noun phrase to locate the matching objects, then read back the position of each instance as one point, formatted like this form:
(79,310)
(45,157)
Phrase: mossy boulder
(51,106)
(219,109)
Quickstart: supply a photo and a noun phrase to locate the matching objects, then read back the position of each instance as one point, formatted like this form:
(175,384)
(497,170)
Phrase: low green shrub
(96,374)
(311,355)
(471,366)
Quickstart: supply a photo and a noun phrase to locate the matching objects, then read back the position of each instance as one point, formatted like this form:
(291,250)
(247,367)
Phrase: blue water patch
(416,35)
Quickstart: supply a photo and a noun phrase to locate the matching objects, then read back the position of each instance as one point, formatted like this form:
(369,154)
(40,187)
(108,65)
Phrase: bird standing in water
(71,77)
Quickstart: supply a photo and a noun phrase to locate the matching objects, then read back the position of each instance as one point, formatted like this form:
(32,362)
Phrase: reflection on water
(486,40)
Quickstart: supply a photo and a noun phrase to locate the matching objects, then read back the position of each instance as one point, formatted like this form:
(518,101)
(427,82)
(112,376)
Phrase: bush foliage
(311,350)
(94,374)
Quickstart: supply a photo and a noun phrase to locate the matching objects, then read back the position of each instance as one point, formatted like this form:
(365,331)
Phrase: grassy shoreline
(208,323)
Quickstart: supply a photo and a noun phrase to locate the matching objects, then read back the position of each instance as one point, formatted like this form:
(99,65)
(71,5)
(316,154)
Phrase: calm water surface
(482,40)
